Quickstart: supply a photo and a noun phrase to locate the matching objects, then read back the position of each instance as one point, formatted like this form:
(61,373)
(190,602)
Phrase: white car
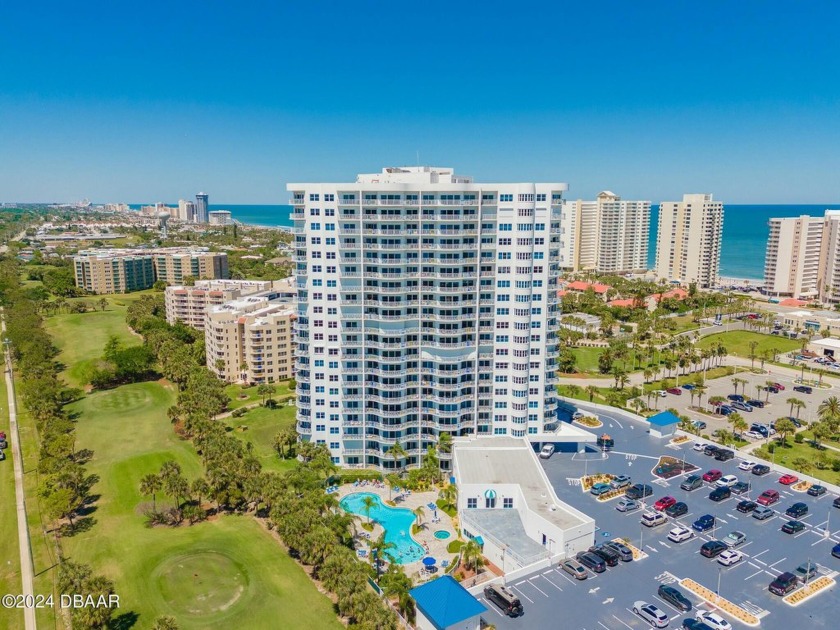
(748,466)
(713,620)
(729,557)
(698,446)
(727,481)
(577,415)
(753,435)
(547,451)
(651,614)
(660,392)
(680,534)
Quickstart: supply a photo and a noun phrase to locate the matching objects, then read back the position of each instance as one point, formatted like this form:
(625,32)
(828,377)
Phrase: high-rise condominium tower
(427,305)
(792,259)
(689,239)
(609,235)
(201,208)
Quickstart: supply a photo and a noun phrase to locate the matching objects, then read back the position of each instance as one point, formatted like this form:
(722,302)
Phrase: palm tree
(151,484)
(397,453)
(471,556)
(165,623)
(445,441)
(716,401)
(829,410)
(794,402)
(648,374)
(103,303)
(767,386)
(379,549)
(753,346)
(701,391)
(368,503)
(591,390)
(449,496)
(574,390)
(739,424)
(419,512)
(736,382)
(784,427)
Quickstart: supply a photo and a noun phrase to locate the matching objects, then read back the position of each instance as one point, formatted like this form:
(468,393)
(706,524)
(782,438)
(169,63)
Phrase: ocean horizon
(745,230)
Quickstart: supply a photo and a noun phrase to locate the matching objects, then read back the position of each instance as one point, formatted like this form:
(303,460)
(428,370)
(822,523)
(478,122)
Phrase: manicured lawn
(786,455)
(251,395)
(210,575)
(9,551)
(738,342)
(259,426)
(684,323)
(587,358)
(82,336)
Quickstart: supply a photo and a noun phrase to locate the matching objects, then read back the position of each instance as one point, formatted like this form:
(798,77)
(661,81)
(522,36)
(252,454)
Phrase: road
(27,571)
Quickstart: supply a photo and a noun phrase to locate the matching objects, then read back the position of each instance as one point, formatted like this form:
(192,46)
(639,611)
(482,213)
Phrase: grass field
(587,358)
(9,551)
(786,454)
(737,343)
(251,396)
(259,426)
(82,336)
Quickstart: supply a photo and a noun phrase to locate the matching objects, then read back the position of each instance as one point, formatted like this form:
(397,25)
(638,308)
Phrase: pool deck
(435,547)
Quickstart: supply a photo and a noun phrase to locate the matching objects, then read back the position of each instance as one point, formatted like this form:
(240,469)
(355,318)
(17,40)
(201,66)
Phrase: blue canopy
(429,561)
(445,603)
(663,419)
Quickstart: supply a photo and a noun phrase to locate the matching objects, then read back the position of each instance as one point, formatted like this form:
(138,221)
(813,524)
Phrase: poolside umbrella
(429,561)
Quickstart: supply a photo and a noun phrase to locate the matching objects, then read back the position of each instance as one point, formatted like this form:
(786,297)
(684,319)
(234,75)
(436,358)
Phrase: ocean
(744,230)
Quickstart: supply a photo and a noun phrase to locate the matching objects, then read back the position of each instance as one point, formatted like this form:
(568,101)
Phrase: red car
(786,480)
(712,475)
(768,497)
(779,386)
(674,390)
(664,503)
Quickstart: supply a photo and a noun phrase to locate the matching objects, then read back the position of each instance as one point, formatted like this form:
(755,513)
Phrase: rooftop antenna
(418,158)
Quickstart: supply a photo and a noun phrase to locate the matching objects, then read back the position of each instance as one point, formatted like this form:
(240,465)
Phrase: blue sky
(146,101)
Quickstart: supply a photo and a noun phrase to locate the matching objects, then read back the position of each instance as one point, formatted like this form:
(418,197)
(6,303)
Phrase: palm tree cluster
(78,579)
(828,424)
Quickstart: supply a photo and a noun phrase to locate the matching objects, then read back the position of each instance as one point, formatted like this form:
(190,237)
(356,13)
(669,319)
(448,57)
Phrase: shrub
(835,465)
(238,413)
(455,546)
(798,438)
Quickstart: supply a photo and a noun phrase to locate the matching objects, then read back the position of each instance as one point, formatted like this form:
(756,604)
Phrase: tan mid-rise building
(251,339)
(189,304)
(792,260)
(689,240)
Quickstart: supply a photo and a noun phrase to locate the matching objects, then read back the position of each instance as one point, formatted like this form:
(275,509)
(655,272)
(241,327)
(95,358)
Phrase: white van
(547,451)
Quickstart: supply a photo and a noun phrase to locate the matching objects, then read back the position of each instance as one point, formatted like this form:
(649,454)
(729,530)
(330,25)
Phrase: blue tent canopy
(663,419)
(445,603)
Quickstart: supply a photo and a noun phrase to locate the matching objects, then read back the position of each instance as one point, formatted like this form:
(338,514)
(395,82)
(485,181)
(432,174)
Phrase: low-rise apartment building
(188,304)
(124,270)
(252,339)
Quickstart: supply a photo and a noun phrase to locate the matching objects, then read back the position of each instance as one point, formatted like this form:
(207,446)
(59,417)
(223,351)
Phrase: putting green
(202,584)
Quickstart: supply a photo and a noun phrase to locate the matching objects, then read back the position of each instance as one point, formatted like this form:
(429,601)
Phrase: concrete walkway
(27,571)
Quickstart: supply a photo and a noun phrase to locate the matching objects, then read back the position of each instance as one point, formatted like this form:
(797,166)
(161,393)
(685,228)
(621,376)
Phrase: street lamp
(720,572)
(585,463)
(641,538)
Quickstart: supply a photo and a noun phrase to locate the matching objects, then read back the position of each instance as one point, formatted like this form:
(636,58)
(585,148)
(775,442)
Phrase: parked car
(653,519)
(664,502)
(638,491)
(793,527)
(816,491)
(797,510)
(710,449)
(760,470)
(651,614)
(713,620)
(677,510)
(575,569)
(704,523)
(712,549)
(606,554)
(729,557)
(694,624)
(787,480)
(680,534)
(624,552)
(591,561)
(724,454)
(698,425)
(768,497)
(712,475)
(621,481)
(803,388)
(741,405)
(692,482)
(762,512)
(660,392)
(836,502)
(771,389)
(627,505)
(720,494)
(806,571)
(746,506)
(3,444)
(756,403)
(796,422)
(504,599)
(726,410)
(600,488)
(746,465)
(674,390)
(733,539)
(727,481)
(674,597)
(784,583)
(835,551)
(740,488)
(754,435)
(736,397)
(689,386)
(547,451)
(698,446)
(778,386)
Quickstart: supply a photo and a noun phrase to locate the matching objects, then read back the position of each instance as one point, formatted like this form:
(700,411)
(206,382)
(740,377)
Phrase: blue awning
(490,494)
(479,541)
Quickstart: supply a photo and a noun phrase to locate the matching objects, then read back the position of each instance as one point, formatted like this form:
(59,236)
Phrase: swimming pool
(396,522)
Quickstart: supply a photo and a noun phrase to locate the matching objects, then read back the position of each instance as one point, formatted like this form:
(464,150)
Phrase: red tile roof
(628,303)
(579,285)
(792,302)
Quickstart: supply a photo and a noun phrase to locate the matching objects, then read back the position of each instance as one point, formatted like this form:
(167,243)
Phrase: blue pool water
(396,522)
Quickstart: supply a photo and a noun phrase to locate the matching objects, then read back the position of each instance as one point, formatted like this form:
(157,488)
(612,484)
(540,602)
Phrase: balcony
(297,201)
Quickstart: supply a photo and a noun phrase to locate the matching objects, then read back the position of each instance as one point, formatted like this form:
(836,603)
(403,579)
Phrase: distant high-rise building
(186,210)
(202,208)
(792,259)
(609,235)
(427,305)
(689,240)
(220,217)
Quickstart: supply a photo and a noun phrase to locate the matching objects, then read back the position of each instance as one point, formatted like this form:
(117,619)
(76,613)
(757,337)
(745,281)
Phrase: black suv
(606,554)
(746,506)
(710,449)
(504,599)
(803,388)
(639,491)
(591,561)
(677,510)
(719,494)
(760,470)
(674,597)
(784,584)
(713,548)
(797,509)
(724,454)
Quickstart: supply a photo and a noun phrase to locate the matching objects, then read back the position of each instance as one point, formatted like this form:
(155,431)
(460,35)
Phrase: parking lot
(775,408)
(605,600)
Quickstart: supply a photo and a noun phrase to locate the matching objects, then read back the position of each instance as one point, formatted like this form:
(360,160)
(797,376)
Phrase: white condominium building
(792,260)
(427,304)
(689,240)
(251,339)
(609,235)
(188,304)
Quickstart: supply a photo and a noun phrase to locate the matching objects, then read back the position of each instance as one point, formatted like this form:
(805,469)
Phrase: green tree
(784,427)
(264,390)
(567,361)
(368,503)
(165,623)
(471,556)
(151,484)
(397,453)
(592,390)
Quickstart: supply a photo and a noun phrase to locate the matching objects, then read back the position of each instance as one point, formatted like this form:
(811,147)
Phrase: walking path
(27,571)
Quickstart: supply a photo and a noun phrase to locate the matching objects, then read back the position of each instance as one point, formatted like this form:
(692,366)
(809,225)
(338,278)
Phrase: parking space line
(669,605)
(535,586)
(550,582)
(778,562)
(490,606)
(804,531)
(566,577)
(753,575)
(624,622)
(762,553)
(518,590)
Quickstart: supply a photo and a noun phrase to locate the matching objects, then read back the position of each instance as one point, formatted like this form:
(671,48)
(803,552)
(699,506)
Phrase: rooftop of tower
(414,175)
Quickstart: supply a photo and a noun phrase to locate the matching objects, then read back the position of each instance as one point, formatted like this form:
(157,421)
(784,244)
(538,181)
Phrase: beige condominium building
(124,270)
(609,234)
(689,240)
(188,304)
(251,339)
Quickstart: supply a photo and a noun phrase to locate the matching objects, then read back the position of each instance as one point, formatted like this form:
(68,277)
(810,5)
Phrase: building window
(472,503)
(507,503)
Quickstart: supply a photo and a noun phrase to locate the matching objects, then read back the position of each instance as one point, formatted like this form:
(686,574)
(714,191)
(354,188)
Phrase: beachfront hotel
(608,235)
(689,239)
(426,304)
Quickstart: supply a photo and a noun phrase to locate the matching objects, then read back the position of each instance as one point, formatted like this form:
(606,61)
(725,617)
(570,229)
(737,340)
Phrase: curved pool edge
(387,507)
